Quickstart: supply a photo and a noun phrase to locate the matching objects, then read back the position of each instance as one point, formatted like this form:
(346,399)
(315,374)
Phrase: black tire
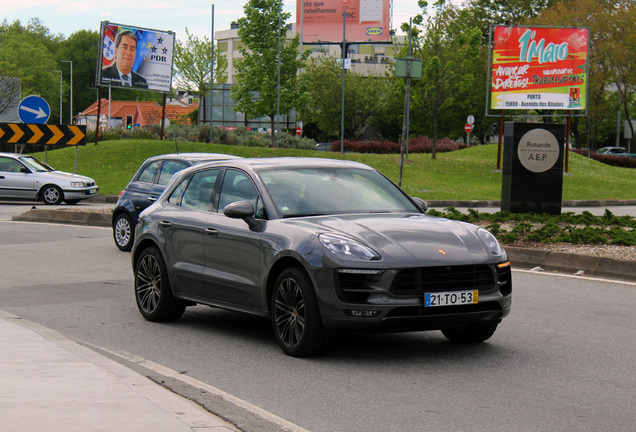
(52,194)
(472,333)
(295,315)
(123,232)
(152,288)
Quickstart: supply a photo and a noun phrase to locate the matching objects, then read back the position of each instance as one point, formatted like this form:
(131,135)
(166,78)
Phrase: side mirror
(241,210)
(421,204)
(25,170)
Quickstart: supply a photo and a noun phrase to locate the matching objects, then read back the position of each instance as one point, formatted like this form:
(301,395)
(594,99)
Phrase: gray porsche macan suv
(318,246)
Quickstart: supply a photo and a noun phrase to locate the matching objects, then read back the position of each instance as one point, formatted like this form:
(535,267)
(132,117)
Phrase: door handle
(165,224)
(2,177)
(152,198)
(211,231)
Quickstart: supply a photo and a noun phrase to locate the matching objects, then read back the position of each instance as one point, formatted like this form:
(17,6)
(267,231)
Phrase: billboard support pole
(163,116)
(501,132)
(407,107)
(212,74)
(344,52)
(99,112)
(567,142)
(280,5)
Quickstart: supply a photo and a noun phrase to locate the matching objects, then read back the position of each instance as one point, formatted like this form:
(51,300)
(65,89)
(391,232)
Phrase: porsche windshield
(320,191)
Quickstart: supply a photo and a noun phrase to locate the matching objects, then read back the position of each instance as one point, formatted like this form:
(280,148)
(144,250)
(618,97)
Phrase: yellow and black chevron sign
(21,133)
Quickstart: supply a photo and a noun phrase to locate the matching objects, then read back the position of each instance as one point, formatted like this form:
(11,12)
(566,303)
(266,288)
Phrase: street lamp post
(70,118)
(60,72)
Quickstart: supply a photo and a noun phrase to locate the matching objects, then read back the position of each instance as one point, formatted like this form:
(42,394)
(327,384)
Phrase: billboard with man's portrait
(542,68)
(367,20)
(135,57)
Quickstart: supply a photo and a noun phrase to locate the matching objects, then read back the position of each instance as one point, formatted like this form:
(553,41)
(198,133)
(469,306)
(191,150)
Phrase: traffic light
(129,121)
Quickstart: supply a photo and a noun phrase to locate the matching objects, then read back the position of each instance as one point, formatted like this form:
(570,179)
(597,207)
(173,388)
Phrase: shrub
(416,145)
(619,161)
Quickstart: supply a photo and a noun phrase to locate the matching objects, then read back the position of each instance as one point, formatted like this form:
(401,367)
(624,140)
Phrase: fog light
(362,313)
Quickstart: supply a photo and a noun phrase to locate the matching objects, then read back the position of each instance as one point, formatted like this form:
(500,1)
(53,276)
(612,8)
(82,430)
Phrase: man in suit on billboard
(120,73)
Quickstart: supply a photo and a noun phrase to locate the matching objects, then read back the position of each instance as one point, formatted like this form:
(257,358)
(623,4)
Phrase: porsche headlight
(491,241)
(78,184)
(347,248)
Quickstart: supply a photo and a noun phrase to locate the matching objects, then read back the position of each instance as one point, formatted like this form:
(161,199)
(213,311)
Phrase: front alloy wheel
(295,315)
(52,195)
(152,288)
(123,232)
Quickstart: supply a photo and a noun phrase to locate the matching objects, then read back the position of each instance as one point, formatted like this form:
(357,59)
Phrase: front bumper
(393,300)
(80,193)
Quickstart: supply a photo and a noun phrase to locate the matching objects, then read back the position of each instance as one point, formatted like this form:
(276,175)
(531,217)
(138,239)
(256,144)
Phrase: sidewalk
(50,383)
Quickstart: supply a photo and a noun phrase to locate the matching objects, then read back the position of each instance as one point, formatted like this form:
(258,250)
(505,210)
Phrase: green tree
(81,48)
(256,90)
(192,61)
(365,98)
(29,53)
(450,54)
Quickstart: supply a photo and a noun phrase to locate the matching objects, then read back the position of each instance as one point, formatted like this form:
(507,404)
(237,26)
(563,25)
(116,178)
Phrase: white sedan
(25,177)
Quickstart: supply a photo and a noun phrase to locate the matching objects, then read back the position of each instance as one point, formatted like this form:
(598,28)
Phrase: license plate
(451,298)
(92,191)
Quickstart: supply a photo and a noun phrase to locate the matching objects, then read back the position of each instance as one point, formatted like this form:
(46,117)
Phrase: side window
(169,169)
(199,193)
(150,172)
(177,193)
(237,186)
(10,165)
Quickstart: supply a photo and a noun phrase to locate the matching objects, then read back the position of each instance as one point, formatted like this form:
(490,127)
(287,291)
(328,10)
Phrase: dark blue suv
(147,184)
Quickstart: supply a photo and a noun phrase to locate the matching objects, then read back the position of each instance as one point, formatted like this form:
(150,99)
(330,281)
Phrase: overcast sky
(68,16)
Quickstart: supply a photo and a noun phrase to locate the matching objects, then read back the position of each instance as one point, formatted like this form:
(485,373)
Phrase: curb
(73,217)
(572,263)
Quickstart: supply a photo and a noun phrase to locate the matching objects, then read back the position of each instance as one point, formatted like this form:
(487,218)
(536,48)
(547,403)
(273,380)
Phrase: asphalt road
(562,361)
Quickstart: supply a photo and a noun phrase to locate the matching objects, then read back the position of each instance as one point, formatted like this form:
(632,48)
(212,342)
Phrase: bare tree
(9,92)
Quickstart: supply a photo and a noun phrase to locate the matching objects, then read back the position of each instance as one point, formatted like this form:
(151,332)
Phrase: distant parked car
(25,177)
(612,150)
(318,246)
(145,187)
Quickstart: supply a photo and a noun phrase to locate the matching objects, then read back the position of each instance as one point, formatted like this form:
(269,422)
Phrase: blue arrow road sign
(34,109)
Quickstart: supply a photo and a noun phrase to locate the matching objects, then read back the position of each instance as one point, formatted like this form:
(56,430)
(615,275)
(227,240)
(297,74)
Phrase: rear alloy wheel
(152,288)
(52,194)
(472,333)
(123,232)
(295,315)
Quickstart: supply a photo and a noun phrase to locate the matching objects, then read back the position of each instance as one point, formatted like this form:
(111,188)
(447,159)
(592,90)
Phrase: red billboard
(367,20)
(539,68)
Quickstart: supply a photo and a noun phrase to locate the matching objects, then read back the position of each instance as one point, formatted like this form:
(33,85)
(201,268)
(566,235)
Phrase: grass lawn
(467,174)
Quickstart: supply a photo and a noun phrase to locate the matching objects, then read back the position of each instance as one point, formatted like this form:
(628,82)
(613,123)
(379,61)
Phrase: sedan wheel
(295,315)
(123,232)
(52,195)
(473,333)
(152,288)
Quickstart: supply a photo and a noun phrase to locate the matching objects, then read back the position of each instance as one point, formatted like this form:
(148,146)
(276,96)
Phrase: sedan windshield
(321,191)
(35,165)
